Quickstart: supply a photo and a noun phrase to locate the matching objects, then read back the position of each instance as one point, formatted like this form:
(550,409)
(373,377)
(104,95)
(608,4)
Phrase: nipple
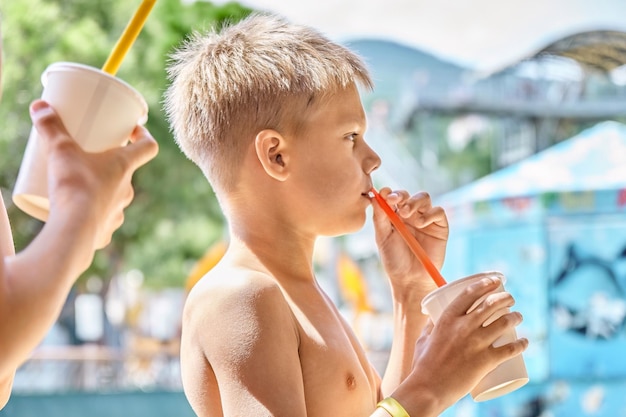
(351,382)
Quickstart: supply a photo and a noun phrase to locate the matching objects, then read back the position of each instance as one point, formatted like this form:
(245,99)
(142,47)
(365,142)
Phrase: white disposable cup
(98,110)
(509,375)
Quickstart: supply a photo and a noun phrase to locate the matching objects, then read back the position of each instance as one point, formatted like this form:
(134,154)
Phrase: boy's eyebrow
(354,125)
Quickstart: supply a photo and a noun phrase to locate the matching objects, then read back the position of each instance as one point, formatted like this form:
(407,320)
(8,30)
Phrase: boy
(88,193)
(271,113)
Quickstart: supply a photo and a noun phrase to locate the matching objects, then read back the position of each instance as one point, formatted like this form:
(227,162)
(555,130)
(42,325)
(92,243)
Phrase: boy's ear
(270,148)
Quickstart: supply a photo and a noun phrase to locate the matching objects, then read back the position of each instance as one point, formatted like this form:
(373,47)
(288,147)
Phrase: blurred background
(511,114)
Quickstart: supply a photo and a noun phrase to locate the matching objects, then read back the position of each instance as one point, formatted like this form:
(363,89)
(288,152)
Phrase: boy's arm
(428,369)
(408,322)
(250,339)
(451,357)
(6,383)
(88,193)
(408,279)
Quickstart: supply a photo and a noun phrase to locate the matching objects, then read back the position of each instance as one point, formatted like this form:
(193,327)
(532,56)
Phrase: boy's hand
(93,188)
(452,356)
(428,224)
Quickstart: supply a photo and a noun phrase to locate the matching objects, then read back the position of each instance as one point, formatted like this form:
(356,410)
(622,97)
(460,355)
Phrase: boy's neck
(282,256)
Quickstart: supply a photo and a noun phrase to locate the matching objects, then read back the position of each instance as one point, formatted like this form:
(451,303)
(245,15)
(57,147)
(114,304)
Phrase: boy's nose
(372,161)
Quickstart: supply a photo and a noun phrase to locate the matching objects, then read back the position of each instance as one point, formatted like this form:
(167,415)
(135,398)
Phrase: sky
(485,35)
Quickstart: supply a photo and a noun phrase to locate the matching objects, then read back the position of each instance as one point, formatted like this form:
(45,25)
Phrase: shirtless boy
(271,113)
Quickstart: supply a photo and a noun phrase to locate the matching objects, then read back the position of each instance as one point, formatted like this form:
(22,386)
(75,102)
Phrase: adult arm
(88,193)
(6,249)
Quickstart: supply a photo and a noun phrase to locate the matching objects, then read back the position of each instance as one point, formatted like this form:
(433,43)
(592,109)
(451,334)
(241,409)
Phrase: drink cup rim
(460,281)
(63,65)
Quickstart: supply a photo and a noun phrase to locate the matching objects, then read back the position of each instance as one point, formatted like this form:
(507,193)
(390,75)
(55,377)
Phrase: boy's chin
(346,229)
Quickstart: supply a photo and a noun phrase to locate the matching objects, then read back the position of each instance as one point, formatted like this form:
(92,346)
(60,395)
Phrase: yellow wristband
(393,407)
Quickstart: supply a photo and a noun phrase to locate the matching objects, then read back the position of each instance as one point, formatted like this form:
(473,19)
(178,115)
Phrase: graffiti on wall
(589,295)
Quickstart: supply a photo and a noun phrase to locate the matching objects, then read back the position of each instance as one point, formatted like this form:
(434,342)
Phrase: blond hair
(260,73)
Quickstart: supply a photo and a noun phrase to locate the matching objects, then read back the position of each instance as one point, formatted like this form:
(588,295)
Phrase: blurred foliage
(174,217)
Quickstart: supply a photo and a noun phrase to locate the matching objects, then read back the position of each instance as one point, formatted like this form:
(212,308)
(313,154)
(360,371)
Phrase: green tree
(174,216)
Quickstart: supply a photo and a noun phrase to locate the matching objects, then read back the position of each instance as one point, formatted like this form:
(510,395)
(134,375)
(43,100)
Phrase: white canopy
(595,159)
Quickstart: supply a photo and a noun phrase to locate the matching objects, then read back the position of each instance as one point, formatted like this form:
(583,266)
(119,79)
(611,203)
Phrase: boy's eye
(352,137)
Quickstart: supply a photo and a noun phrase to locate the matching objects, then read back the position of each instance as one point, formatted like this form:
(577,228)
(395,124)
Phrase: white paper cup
(509,375)
(98,110)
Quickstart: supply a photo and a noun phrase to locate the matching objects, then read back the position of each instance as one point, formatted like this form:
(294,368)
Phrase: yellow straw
(128,37)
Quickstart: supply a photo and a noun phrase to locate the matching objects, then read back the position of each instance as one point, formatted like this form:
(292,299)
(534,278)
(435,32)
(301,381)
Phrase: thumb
(143,147)
(48,123)
(472,295)
(428,328)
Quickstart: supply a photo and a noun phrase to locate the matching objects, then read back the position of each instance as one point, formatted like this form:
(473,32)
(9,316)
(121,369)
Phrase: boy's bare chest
(338,378)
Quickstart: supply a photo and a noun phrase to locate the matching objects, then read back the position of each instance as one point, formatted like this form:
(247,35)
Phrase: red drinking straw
(410,240)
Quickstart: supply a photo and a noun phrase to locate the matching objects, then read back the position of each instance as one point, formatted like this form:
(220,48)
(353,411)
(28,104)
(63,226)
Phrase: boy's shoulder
(227,291)
(234,304)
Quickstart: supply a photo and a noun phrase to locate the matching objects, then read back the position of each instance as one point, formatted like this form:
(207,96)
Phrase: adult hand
(93,188)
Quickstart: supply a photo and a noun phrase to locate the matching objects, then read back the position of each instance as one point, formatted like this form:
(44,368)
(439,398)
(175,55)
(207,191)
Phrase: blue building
(555,225)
